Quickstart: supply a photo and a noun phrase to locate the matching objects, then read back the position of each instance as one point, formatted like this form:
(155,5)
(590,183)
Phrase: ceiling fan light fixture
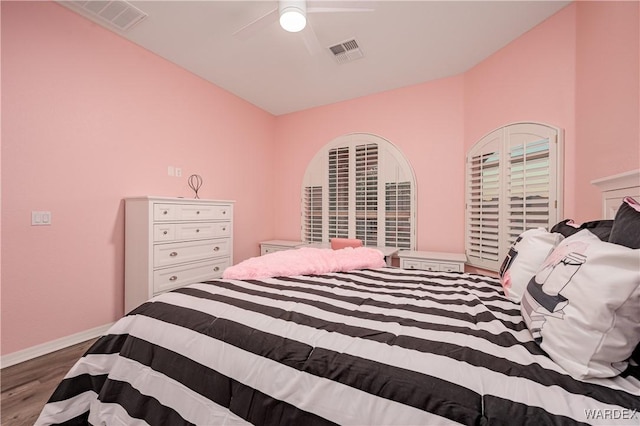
(293,15)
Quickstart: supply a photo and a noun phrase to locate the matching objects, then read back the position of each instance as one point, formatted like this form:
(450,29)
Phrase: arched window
(513,183)
(360,186)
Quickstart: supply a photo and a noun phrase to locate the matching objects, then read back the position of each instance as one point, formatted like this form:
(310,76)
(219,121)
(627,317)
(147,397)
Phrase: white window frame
(495,190)
(393,174)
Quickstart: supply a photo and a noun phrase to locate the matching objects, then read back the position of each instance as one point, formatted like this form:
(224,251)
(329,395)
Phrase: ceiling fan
(292,15)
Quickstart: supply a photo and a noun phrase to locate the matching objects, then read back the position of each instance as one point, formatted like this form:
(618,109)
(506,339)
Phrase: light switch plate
(40,218)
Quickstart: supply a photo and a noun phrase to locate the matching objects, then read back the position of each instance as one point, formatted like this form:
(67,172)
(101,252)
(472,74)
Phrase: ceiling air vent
(346,51)
(118,13)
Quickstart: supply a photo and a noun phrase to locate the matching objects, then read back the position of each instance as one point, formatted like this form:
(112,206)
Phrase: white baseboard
(52,346)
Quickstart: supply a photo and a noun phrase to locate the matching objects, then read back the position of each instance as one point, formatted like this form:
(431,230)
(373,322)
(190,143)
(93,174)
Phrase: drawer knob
(197,230)
(173,278)
(216,248)
(165,212)
(224,228)
(173,254)
(198,212)
(216,269)
(224,212)
(165,232)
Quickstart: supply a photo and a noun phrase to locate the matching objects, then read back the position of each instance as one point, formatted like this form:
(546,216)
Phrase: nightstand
(279,245)
(432,261)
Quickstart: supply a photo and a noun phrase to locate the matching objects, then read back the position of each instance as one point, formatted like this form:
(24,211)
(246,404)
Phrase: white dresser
(172,242)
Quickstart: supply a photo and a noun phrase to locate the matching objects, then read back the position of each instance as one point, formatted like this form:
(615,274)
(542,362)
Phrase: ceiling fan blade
(310,40)
(255,26)
(338,9)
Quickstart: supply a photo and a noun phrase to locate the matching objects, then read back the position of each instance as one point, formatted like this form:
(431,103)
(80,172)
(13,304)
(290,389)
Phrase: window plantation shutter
(398,214)
(529,184)
(483,202)
(339,192)
(312,225)
(366,182)
(513,184)
(359,186)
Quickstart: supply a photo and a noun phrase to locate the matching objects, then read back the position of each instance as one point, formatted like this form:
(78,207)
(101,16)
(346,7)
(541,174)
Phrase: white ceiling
(404,43)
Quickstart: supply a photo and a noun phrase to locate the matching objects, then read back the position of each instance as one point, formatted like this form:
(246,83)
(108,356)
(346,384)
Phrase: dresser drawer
(164,232)
(204,212)
(174,253)
(189,231)
(166,212)
(178,276)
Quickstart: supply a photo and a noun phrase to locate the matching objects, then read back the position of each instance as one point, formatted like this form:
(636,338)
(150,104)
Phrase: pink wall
(89,119)
(423,121)
(607,97)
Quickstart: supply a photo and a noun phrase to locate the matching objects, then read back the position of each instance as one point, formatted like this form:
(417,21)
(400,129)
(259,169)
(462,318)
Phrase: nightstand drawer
(266,249)
(432,261)
(171,254)
(273,246)
(451,267)
(178,276)
(425,266)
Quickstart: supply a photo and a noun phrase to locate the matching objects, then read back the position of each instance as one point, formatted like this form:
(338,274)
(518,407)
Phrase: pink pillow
(340,243)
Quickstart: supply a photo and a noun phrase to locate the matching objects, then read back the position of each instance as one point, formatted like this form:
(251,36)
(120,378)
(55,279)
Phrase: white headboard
(615,188)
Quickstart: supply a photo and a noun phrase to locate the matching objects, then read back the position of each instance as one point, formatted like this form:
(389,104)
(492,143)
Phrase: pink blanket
(304,261)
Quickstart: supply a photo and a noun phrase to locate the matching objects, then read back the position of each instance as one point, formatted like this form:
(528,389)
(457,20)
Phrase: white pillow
(524,258)
(583,305)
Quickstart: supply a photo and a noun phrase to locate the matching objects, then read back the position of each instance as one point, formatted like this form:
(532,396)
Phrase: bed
(369,346)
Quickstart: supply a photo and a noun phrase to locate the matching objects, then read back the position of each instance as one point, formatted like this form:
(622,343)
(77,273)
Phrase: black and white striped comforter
(387,346)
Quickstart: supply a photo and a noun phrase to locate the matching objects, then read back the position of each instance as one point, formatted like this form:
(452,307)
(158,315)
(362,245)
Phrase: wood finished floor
(26,387)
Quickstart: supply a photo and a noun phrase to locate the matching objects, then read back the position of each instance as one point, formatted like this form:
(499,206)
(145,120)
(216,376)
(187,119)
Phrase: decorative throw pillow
(599,228)
(626,226)
(582,305)
(340,243)
(525,256)
(566,228)
(626,231)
